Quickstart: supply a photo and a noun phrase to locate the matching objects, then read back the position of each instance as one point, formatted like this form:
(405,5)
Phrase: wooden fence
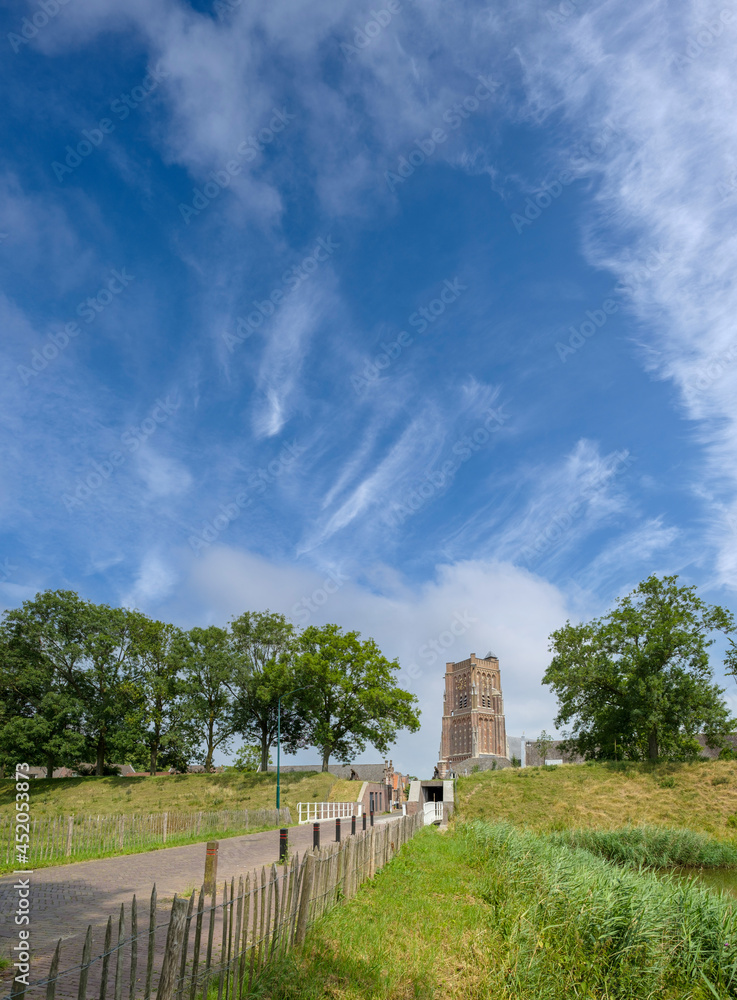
(209,943)
(77,837)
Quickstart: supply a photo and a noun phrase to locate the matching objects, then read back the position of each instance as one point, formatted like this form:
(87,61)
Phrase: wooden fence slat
(183,967)
(106,957)
(85,970)
(262,930)
(172,949)
(303,915)
(223,945)
(118,988)
(244,935)
(51,987)
(134,949)
(197,940)
(151,942)
(275,883)
(210,936)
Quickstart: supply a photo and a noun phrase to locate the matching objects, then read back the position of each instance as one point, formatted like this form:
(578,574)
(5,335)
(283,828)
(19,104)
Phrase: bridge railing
(313,812)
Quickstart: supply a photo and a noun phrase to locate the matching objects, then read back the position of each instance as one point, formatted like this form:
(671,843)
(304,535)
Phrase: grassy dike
(488,911)
(185,792)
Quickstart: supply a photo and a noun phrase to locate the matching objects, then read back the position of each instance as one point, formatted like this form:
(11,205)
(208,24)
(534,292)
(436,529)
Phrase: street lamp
(278,735)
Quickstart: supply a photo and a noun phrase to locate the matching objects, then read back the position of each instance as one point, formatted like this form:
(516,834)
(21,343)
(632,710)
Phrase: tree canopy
(84,683)
(638,683)
(350,697)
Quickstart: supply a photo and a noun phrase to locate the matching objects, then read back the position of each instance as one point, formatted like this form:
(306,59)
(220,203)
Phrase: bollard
(283,844)
(372,817)
(353,825)
(211,866)
(363,817)
(316,835)
(337,830)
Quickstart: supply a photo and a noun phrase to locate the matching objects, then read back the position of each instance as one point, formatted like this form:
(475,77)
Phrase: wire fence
(220,941)
(81,837)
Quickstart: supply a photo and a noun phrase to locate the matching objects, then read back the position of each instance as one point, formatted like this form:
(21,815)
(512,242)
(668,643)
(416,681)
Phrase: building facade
(473,712)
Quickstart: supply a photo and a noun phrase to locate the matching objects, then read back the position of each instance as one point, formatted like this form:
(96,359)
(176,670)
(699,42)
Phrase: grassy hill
(701,796)
(187,792)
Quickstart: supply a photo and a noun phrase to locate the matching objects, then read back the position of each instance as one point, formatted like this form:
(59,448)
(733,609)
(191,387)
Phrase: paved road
(68,898)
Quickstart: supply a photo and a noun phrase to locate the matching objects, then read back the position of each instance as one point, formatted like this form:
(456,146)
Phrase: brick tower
(473,712)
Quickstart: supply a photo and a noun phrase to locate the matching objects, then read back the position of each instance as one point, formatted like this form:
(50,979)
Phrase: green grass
(186,792)
(701,796)
(493,912)
(653,847)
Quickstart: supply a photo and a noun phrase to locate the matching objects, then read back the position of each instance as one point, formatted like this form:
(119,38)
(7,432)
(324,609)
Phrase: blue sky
(415,317)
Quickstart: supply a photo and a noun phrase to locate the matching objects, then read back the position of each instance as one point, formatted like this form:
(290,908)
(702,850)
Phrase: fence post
(70,835)
(166,823)
(173,949)
(372,852)
(283,844)
(305,899)
(211,866)
(316,835)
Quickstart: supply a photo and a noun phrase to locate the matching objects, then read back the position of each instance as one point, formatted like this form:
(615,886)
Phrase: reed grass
(653,847)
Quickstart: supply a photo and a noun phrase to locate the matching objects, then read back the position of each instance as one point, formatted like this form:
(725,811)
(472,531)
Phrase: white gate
(433,812)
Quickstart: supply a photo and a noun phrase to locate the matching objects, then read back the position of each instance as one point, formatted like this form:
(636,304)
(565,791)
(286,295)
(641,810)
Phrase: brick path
(67,898)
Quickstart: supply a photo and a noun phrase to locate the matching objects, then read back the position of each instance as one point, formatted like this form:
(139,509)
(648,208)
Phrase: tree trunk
(652,744)
(100,764)
(154,760)
(264,766)
(49,766)
(325,758)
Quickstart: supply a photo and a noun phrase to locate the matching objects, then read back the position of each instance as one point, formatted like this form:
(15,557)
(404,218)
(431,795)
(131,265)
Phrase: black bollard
(371,817)
(283,844)
(315,834)
(353,825)
(337,831)
(363,815)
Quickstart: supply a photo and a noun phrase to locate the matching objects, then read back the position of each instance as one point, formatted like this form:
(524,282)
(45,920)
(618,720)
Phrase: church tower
(473,712)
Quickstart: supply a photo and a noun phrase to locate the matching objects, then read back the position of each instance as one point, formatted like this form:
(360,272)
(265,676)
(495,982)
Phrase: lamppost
(278,736)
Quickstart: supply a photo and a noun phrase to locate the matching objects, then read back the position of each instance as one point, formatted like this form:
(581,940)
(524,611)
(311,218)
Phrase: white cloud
(499,608)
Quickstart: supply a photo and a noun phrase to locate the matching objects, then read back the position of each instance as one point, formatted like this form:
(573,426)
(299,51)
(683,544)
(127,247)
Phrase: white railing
(316,811)
(433,812)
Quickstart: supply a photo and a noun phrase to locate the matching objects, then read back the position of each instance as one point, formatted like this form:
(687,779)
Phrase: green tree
(208,670)
(90,653)
(163,710)
(543,743)
(265,644)
(350,697)
(40,721)
(248,759)
(639,679)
